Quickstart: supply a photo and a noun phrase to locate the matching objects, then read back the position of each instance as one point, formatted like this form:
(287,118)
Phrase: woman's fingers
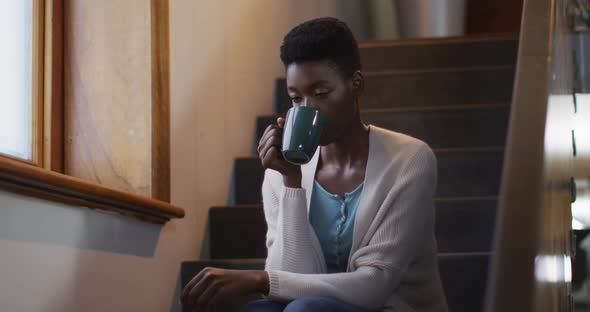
(197,291)
(266,131)
(270,132)
(269,147)
(275,135)
(217,296)
(271,158)
(271,142)
(208,293)
(187,289)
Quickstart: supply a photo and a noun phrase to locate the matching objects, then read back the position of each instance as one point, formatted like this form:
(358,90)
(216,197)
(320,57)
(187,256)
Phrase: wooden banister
(532,237)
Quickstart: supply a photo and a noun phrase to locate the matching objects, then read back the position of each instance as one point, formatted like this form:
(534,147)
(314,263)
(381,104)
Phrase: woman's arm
(289,236)
(367,287)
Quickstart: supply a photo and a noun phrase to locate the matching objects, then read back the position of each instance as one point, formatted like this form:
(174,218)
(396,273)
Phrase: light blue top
(332,218)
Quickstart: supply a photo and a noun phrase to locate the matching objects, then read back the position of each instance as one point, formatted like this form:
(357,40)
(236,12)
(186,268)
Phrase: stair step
(461,172)
(457,86)
(464,278)
(462,225)
(438,53)
(237,232)
(247,179)
(428,87)
(449,127)
(190,269)
(464,172)
(440,127)
(248,187)
(282,100)
(465,224)
(262,122)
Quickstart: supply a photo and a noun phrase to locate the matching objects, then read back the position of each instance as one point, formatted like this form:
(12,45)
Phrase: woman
(353,230)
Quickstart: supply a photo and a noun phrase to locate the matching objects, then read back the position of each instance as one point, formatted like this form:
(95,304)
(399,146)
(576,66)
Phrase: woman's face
(322,86)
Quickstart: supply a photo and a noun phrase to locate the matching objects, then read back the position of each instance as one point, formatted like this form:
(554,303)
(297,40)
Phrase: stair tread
(462,224)
(450,69)
(510,37)
(463,172)
(436,150)
(464,277)
(439,87)
(419,108)
(248,224)
(258,260)
(436,108)
(436,199)
(463,86)
(438,52)
(446,128)
(440,127)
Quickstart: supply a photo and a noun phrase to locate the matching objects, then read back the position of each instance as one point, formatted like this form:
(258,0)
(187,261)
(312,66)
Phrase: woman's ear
(358,83)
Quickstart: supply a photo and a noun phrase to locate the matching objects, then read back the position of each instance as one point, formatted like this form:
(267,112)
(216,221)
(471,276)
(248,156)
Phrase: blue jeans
(304,304)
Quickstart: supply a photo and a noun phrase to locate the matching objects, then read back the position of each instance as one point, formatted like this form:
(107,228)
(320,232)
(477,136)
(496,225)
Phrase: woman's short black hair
(322,39)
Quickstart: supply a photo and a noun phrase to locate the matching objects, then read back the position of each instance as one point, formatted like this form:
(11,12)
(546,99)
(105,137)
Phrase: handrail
(530,267)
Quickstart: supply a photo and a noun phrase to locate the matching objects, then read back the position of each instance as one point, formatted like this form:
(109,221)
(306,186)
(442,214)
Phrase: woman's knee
(320,304)
(263,305)
(311,304)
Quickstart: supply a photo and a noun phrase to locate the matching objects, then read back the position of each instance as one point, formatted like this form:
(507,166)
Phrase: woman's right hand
(270,155)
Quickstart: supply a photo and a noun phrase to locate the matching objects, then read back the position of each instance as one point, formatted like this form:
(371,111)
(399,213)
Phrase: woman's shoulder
(394,145)
(396,154)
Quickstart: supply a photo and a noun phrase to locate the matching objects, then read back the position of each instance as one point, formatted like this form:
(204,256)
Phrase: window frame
(43,175)
(51,130)
(38,74)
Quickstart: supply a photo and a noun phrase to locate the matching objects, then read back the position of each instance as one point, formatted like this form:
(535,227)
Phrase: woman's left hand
(213,285)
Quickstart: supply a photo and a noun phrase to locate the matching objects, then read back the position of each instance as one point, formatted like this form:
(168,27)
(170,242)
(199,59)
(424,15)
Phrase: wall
(382,21)
(224,58)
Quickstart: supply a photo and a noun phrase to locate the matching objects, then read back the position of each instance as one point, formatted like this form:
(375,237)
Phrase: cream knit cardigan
(392,264)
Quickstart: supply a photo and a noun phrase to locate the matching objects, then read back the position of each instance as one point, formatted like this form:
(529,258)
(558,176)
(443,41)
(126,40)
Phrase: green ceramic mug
(301,134)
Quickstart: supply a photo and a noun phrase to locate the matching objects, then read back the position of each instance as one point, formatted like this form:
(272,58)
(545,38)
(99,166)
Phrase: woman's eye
(296,99)
(321,94)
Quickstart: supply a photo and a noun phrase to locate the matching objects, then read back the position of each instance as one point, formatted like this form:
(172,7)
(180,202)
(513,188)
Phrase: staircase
(452,93)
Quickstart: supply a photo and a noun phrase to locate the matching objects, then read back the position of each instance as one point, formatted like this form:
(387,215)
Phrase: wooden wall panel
(108,93)
(38,32)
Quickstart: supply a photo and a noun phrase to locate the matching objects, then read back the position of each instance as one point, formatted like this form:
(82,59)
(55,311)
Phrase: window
(581,127)
(16,78)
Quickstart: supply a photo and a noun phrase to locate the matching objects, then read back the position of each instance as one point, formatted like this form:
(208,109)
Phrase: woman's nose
(309,102)
(305,101)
